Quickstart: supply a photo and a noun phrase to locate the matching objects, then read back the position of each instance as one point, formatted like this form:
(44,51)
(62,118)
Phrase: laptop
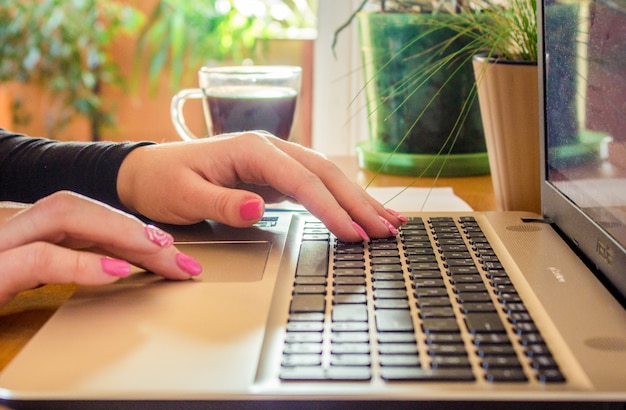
(482,309)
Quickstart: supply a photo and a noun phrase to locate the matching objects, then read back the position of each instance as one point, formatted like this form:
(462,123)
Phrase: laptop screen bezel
(600,250)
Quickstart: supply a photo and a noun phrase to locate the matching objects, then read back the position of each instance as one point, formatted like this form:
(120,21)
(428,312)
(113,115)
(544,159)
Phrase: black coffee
(234,109)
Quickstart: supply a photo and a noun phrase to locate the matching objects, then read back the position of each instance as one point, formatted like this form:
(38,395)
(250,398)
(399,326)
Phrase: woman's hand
(229,178)
(40,245)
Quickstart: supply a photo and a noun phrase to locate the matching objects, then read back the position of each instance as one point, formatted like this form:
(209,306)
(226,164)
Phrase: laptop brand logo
(605,251)
(556,272)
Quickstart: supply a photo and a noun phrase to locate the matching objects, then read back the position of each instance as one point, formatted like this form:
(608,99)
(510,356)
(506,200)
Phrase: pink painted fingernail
(398,215)
(115,267)
(361,231)
(392,229)
(188,264)
(251,209)
(158,236)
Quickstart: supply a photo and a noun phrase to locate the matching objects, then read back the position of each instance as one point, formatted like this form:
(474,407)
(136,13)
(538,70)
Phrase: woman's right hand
(68,238)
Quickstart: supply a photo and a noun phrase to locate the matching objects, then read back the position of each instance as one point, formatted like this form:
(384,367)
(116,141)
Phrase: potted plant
(424,119)
(63,47)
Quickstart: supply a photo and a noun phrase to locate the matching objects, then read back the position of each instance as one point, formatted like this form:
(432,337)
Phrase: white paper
(409,200)
(419,199)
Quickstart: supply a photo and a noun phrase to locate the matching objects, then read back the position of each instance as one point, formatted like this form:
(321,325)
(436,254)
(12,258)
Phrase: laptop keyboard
(432,304)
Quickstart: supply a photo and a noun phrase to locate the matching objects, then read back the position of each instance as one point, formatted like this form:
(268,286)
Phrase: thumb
(239,208)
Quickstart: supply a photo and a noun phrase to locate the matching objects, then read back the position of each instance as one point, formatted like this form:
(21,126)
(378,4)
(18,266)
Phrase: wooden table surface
(21,318)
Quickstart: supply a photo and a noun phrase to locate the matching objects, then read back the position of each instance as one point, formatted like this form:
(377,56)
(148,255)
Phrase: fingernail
(188,264)
(158,236)
(392,229)
(398,215)
(251,209)
(115,267)
(361,231)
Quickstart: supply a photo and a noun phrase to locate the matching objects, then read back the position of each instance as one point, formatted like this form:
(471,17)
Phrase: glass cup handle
(176,111)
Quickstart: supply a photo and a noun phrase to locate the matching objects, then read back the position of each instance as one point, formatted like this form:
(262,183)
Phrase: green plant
(189,33)
(63,46)
(503,30)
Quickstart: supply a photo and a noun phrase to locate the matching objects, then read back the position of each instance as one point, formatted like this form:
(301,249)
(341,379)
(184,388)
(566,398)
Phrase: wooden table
(27,313)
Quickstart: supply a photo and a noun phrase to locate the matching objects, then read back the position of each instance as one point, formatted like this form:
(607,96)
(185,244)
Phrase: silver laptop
(474,307)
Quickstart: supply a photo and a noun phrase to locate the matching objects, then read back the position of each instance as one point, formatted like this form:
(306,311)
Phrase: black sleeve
(31,168)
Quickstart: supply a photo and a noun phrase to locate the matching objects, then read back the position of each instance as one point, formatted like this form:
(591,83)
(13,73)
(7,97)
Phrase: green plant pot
(413,111)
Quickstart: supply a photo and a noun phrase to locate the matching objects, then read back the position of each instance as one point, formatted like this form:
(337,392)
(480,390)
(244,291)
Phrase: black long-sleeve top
(32,168)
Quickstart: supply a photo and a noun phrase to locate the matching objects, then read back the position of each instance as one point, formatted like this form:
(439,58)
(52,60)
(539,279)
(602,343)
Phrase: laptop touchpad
(229,261)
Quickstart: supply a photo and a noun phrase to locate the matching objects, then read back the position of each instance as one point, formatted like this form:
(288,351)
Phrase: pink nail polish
(158,236)
(188,264)
(251,209)
(361,231)
(115,267)
(398,215)
(392,229)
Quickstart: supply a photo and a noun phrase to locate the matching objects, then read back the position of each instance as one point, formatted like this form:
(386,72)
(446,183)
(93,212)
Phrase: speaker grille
(607,343)
(523,228)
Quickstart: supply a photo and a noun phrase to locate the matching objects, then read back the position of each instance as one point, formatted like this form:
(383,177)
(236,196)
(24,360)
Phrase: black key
(447,350)
(303,348)
(397,348)
(430,312)
(484,323)
(350,360)
(396,337)
(349,257)
(394,320)
(425,302)
(440,362)
(349,280)
(305,326)
(470,287)
(349,272)
(444,338)
(496,350)
(303,337)
(508,362)
(550,376)
(420,374)
(350,348)
(306,317)
(313,260)
(302,360)
(473,297)
(389,284)
(505,375)
(349,298)
(350,337)
(308,303)
(481,339)
(344,289)
(440,326)
(478,307)
(304,289)
(399,360)
(390,294)
(429,283)
(391,304)
(349,313)
(349,326)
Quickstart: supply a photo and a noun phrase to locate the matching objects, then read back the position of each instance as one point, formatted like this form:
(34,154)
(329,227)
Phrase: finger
(67,218)
(39,263)
(326,192)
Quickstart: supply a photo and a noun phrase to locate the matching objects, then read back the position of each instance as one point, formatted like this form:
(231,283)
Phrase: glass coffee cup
(242,98)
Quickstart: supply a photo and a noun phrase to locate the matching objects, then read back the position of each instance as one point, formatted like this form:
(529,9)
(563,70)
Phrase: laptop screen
(584,73)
